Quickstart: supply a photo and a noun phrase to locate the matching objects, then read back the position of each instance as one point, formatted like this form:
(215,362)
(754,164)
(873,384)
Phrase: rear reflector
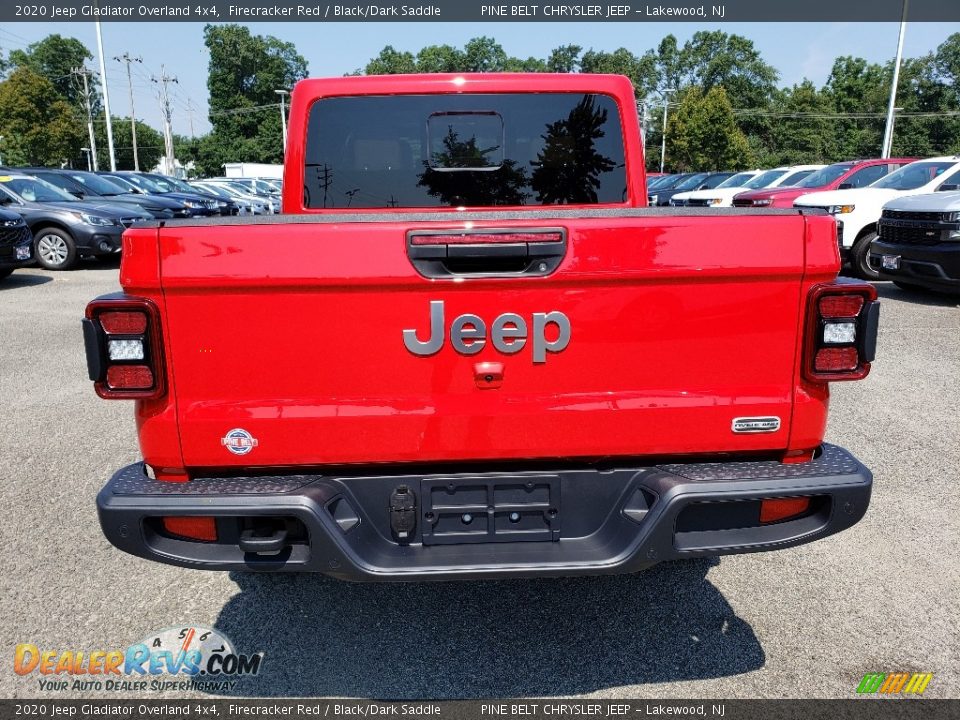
(193,528)
(841,306)
(836,359)
(129,377)
(481,238)
(782,508)
(118,322)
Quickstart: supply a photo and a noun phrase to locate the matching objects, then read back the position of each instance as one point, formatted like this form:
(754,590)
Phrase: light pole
(86,152)
(106,99)
(283,116)
(888,132)
(663,144)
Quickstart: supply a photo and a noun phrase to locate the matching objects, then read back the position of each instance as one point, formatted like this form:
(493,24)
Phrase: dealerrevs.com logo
(897,683)
(183,658)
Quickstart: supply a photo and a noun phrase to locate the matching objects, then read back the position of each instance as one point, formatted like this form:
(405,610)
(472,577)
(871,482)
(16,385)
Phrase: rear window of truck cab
(469,150)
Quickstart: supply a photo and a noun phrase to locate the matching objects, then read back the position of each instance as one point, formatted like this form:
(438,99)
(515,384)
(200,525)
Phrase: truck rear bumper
(588,520)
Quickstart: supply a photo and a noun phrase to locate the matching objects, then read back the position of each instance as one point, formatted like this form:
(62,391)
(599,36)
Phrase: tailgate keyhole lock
(403,513)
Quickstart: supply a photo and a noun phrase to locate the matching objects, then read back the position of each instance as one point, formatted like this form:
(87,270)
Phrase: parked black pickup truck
(918,243)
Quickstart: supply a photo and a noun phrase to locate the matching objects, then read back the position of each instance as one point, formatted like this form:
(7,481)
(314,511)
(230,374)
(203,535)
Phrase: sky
(796,50)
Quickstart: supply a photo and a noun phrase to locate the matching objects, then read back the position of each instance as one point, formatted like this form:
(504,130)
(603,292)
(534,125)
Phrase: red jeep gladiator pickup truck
(468,349)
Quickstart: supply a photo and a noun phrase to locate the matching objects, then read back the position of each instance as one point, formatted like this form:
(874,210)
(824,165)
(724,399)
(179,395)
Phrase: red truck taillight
(841,333)
(124,356)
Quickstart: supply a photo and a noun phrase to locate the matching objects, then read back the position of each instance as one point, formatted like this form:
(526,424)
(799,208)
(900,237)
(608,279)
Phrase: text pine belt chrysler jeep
(468,349)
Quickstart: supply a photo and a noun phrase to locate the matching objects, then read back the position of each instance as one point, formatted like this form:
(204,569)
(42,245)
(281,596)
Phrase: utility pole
(133,113)
(283,117)
(86,151)
(663,145)
(888,131)
(106,99)
(643,124)
(164,96)
(190,110)
(84,73)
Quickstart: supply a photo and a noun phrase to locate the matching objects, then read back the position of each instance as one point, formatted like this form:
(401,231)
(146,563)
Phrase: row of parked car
(55,216)
(897,218)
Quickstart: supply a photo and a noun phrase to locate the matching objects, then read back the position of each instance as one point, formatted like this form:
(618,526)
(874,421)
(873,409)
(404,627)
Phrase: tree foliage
(38,125)
(149,145)
(704,133)
(43,114)
(55,57)
(722,93)
(244,74)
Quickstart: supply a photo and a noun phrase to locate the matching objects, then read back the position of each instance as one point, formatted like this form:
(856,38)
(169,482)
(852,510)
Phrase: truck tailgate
(292,331)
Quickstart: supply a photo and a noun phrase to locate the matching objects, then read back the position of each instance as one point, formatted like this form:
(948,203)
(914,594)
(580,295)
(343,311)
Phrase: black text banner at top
(714,11)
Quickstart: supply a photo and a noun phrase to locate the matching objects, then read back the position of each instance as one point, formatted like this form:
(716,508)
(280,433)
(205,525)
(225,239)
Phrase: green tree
(439,59)
(715,59)
(797,136)
(391,62)
(244,73)
(857,86)
(54,57)
(948,61)
(531,64)
(481,54)
(149,145)
(38,126)
(484,54)
(640,70)
(564,59)
(667,61)
(704,135)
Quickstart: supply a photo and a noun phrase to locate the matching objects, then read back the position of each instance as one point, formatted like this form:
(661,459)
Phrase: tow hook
(263,540)
(403,513)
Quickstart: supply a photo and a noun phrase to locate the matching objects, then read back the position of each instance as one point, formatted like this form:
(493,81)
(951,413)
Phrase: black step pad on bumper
(588,520)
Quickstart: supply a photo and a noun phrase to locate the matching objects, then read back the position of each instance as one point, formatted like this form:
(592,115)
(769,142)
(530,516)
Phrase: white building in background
(252,170)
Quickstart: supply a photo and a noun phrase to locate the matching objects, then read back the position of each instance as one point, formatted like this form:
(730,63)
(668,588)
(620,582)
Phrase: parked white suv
(857,210)
(722,195)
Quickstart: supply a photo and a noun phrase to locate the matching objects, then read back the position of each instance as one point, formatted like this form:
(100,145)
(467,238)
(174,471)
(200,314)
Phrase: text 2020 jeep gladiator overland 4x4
(468,349)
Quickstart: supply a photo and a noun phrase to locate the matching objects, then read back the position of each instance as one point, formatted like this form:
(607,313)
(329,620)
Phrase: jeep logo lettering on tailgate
(508,333)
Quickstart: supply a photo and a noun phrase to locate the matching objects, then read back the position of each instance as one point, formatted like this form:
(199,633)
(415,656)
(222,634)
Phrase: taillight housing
(840,339)
(122,338)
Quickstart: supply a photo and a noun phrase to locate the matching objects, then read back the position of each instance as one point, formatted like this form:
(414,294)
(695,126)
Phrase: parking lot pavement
(808,621)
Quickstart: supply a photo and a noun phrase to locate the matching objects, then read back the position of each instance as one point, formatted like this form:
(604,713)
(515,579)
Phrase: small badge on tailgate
(756,424)
(239,441)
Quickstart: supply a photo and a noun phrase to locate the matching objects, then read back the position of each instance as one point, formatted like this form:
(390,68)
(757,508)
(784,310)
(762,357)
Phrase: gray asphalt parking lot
(804,622)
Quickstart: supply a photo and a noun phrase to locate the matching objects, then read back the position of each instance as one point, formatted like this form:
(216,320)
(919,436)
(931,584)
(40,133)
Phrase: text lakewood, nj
(609,11)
